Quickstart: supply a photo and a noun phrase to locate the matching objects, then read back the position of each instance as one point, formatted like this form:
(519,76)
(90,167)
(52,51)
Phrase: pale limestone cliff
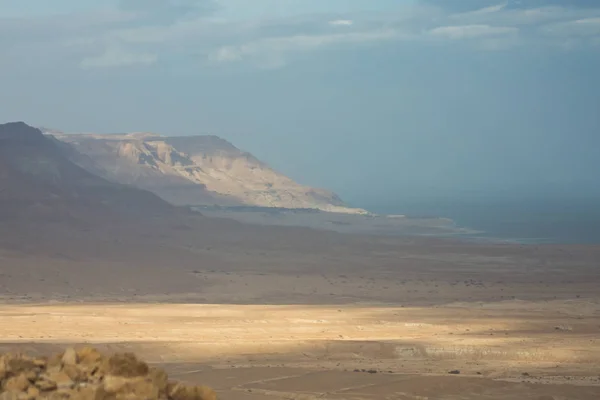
(194,170)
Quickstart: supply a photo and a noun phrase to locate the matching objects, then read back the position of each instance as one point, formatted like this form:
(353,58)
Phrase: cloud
(117,56)
(140,32)
(473,5)
(578,28)
(472,31)
(168,10)
(489,9)
(341,22)
(277,48)
(464,5)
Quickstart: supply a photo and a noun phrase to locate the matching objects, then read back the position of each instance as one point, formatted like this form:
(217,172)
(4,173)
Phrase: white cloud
(472,31)
(486,10)
(117,38)
(577,28)
(116,56)
(341,22)
(277,47)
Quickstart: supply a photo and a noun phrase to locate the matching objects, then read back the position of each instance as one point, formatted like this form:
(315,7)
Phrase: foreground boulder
(88,375)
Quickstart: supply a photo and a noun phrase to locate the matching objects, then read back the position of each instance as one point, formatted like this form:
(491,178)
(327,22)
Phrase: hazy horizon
(379,101)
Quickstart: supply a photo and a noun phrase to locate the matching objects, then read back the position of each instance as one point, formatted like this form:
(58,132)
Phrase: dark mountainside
(38,182)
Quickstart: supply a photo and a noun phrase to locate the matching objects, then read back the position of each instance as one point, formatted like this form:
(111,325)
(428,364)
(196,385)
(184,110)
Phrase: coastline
(367,223)
(520,229)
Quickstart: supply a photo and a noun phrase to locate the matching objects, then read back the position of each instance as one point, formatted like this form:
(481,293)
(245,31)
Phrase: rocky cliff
(194,170)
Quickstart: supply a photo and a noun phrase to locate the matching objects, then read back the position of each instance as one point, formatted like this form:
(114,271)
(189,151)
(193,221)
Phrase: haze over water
(542,220)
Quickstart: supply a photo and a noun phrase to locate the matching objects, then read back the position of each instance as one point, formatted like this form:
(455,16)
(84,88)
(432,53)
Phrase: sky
(374,99)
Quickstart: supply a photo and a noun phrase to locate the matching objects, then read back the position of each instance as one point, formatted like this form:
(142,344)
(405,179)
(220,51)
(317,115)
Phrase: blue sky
(371,98)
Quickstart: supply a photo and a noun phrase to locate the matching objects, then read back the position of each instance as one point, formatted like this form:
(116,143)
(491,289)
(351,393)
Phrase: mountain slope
(37,180)
(195,170)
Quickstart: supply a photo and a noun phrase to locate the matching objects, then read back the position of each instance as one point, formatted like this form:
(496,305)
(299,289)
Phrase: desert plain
(264,312)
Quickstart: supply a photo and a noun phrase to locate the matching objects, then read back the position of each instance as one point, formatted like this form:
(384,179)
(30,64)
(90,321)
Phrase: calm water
(540,221)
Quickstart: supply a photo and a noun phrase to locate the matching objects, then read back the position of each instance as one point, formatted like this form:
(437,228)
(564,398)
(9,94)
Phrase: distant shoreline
(472,229)
(369,223)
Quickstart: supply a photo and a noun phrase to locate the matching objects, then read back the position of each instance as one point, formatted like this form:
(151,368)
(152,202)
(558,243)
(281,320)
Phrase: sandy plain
(278,313)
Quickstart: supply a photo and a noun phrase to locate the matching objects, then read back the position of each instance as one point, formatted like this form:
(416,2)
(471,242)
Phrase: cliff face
(195,170)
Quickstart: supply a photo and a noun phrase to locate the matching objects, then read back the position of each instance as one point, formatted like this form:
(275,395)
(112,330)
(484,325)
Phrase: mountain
(194,170)
(38,181)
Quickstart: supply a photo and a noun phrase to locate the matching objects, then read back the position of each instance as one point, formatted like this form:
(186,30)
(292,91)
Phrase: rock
(16,365)
(126,365)
(33,392)
(70,357)
(94,393)
(113,384)
(60,379)
(46,385)
(88,375)
(3,370)
(160,379)
(454,372)
(8,396)
(18,383)
(55,361)
(31,375)
(89,355)
(180,392)
(74,373)
(139,387)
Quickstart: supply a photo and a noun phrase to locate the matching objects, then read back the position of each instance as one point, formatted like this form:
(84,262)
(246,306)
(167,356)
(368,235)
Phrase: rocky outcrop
(195,170)
(87,374)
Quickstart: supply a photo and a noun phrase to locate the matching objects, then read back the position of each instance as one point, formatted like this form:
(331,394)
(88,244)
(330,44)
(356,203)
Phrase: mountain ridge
(194,171)
(37,179)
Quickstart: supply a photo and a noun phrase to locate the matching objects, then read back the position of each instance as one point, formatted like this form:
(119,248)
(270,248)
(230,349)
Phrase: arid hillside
(194,170)
(38,182)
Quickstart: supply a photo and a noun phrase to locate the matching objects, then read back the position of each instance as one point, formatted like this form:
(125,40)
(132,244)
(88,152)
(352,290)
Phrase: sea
(530,221)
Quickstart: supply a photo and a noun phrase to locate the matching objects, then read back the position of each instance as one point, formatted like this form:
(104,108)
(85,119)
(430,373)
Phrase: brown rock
(140,389)
(31,375)
(55,361)
(16,365)
(40,362)
(180,392)
(126,365)
(89,355)
(86,375)
(69,357)
(9,396)
(94,393)
(74,373)
(58,395)
(46,385)
(113,384)
(134,388)
(3,369)
(33,392)
(159,378)
(55,380)
(18,383)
